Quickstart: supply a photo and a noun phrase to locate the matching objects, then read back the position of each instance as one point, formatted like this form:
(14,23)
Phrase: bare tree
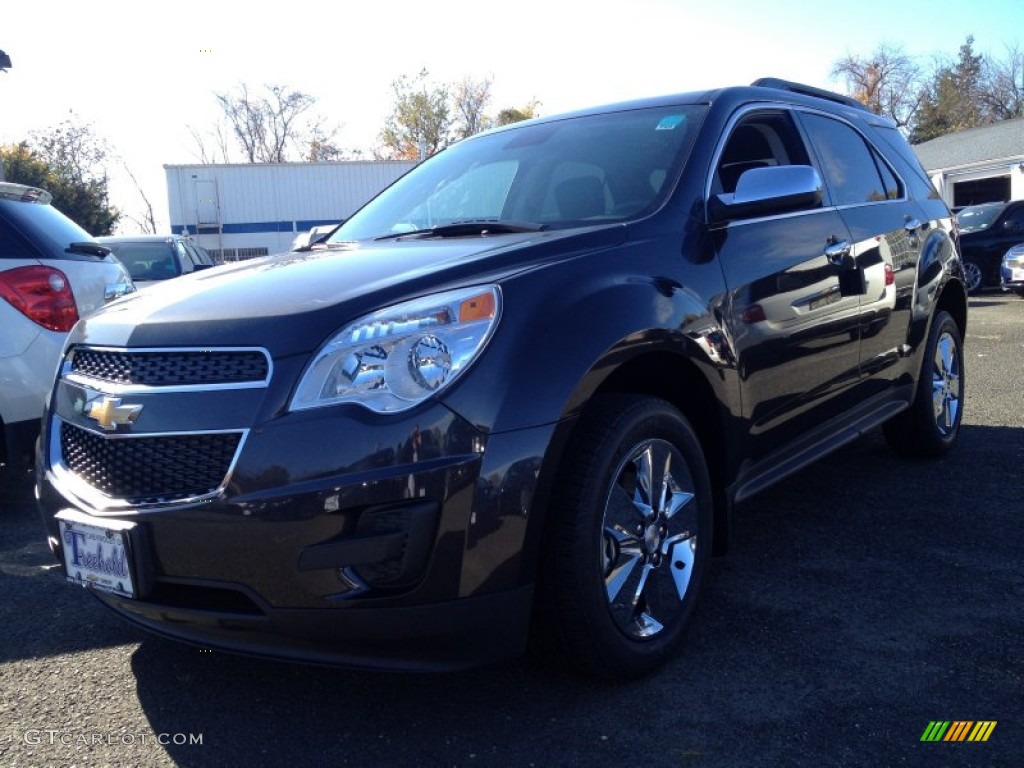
(147,222)
(321,146)
(1004,84)
(887,82)
(274,127)
(469,100)
(214,146)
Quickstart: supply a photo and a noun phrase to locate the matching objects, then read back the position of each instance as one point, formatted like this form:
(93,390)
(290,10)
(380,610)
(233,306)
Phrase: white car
(52,273)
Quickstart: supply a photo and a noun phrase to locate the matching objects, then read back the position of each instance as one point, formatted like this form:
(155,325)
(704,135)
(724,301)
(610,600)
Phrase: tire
(629,541)
(931,425)
(973,276)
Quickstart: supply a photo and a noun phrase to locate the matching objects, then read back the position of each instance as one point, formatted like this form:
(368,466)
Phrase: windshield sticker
(670,123)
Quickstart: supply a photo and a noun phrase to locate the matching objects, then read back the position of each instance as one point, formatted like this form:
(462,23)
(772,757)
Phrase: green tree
(421,120)
(69,162)
(511,115)
(469,102)
(955,98)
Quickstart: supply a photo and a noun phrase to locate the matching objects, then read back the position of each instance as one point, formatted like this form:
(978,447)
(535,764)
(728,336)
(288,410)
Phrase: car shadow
(993,299)
(866,576)
(41,614)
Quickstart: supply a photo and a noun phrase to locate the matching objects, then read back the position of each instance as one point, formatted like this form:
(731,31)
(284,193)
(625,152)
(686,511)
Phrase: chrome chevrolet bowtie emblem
(110,413)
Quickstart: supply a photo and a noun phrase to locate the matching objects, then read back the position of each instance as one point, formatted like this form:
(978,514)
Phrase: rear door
(886,229)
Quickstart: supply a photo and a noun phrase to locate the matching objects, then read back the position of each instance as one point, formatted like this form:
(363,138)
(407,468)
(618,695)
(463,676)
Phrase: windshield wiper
(469,229)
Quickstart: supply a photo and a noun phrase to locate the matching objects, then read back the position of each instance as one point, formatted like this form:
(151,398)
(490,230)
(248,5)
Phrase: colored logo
(959,730)
(110,413)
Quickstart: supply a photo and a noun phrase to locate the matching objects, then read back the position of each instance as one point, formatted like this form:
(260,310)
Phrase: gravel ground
(862,599)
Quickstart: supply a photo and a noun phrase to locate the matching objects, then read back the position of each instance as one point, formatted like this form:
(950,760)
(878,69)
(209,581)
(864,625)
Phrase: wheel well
(954,301)
(676,379)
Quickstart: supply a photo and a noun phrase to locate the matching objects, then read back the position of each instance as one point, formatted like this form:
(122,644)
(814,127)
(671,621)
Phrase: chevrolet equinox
(514,396)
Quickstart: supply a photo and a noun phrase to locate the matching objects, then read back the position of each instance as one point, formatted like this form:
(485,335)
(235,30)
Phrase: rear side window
(13,245)
(853,171)
(49,230)
(185,264)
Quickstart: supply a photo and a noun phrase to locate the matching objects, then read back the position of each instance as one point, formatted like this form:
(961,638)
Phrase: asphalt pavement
(863,600)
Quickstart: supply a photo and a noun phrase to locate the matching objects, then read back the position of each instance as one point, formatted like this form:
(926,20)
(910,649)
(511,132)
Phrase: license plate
(97,552)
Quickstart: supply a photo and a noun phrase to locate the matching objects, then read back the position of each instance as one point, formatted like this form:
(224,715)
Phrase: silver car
(1012,269)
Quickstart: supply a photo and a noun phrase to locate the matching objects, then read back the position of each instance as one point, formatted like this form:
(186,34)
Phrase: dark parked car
(158,257)
(520,389)
(986,232)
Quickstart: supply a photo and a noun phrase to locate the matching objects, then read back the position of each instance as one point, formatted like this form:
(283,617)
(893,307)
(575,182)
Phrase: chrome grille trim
(117,360)
(73,484)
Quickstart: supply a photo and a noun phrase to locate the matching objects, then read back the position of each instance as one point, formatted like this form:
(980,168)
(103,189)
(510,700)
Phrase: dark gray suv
(517,393)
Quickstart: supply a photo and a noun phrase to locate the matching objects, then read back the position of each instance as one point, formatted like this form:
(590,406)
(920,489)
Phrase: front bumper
(1012,277)
(340,537)
(443,636)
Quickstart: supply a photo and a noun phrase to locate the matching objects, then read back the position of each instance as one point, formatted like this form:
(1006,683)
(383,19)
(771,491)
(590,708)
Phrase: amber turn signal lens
(480,307)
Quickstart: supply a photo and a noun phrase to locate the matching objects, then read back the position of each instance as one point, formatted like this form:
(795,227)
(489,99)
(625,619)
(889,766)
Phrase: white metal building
(980,165)
(253,209)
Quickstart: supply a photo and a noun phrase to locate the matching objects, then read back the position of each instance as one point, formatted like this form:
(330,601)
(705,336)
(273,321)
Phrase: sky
(144,75)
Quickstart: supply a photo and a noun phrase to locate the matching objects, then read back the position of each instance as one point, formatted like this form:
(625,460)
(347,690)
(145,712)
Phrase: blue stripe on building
(254,227)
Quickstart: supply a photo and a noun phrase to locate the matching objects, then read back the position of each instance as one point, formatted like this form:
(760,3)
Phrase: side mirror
(764,191)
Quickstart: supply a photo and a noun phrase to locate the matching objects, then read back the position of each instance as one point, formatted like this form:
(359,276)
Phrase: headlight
(398,357)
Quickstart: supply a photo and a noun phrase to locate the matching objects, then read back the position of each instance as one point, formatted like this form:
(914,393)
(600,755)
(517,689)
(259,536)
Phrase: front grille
(168,368)
(149,469)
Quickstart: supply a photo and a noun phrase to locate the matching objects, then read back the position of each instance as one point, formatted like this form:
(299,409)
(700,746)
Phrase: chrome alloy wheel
(649,538)
(946,387)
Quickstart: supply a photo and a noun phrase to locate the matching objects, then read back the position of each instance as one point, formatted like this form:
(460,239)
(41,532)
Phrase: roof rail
(807,90)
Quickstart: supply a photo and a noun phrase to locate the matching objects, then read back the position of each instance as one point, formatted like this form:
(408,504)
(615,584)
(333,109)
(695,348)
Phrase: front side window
(1015,221)
(572,172)
(761,139)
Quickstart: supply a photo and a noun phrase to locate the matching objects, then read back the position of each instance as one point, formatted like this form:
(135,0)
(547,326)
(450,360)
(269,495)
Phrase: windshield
(573,172)
(146,261)
(975,217)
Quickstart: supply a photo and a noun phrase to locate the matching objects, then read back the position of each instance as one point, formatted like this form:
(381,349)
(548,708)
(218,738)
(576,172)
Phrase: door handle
(912,227)
(838,253)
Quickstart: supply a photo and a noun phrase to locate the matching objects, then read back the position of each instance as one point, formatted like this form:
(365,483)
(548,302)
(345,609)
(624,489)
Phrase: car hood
(292,302)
